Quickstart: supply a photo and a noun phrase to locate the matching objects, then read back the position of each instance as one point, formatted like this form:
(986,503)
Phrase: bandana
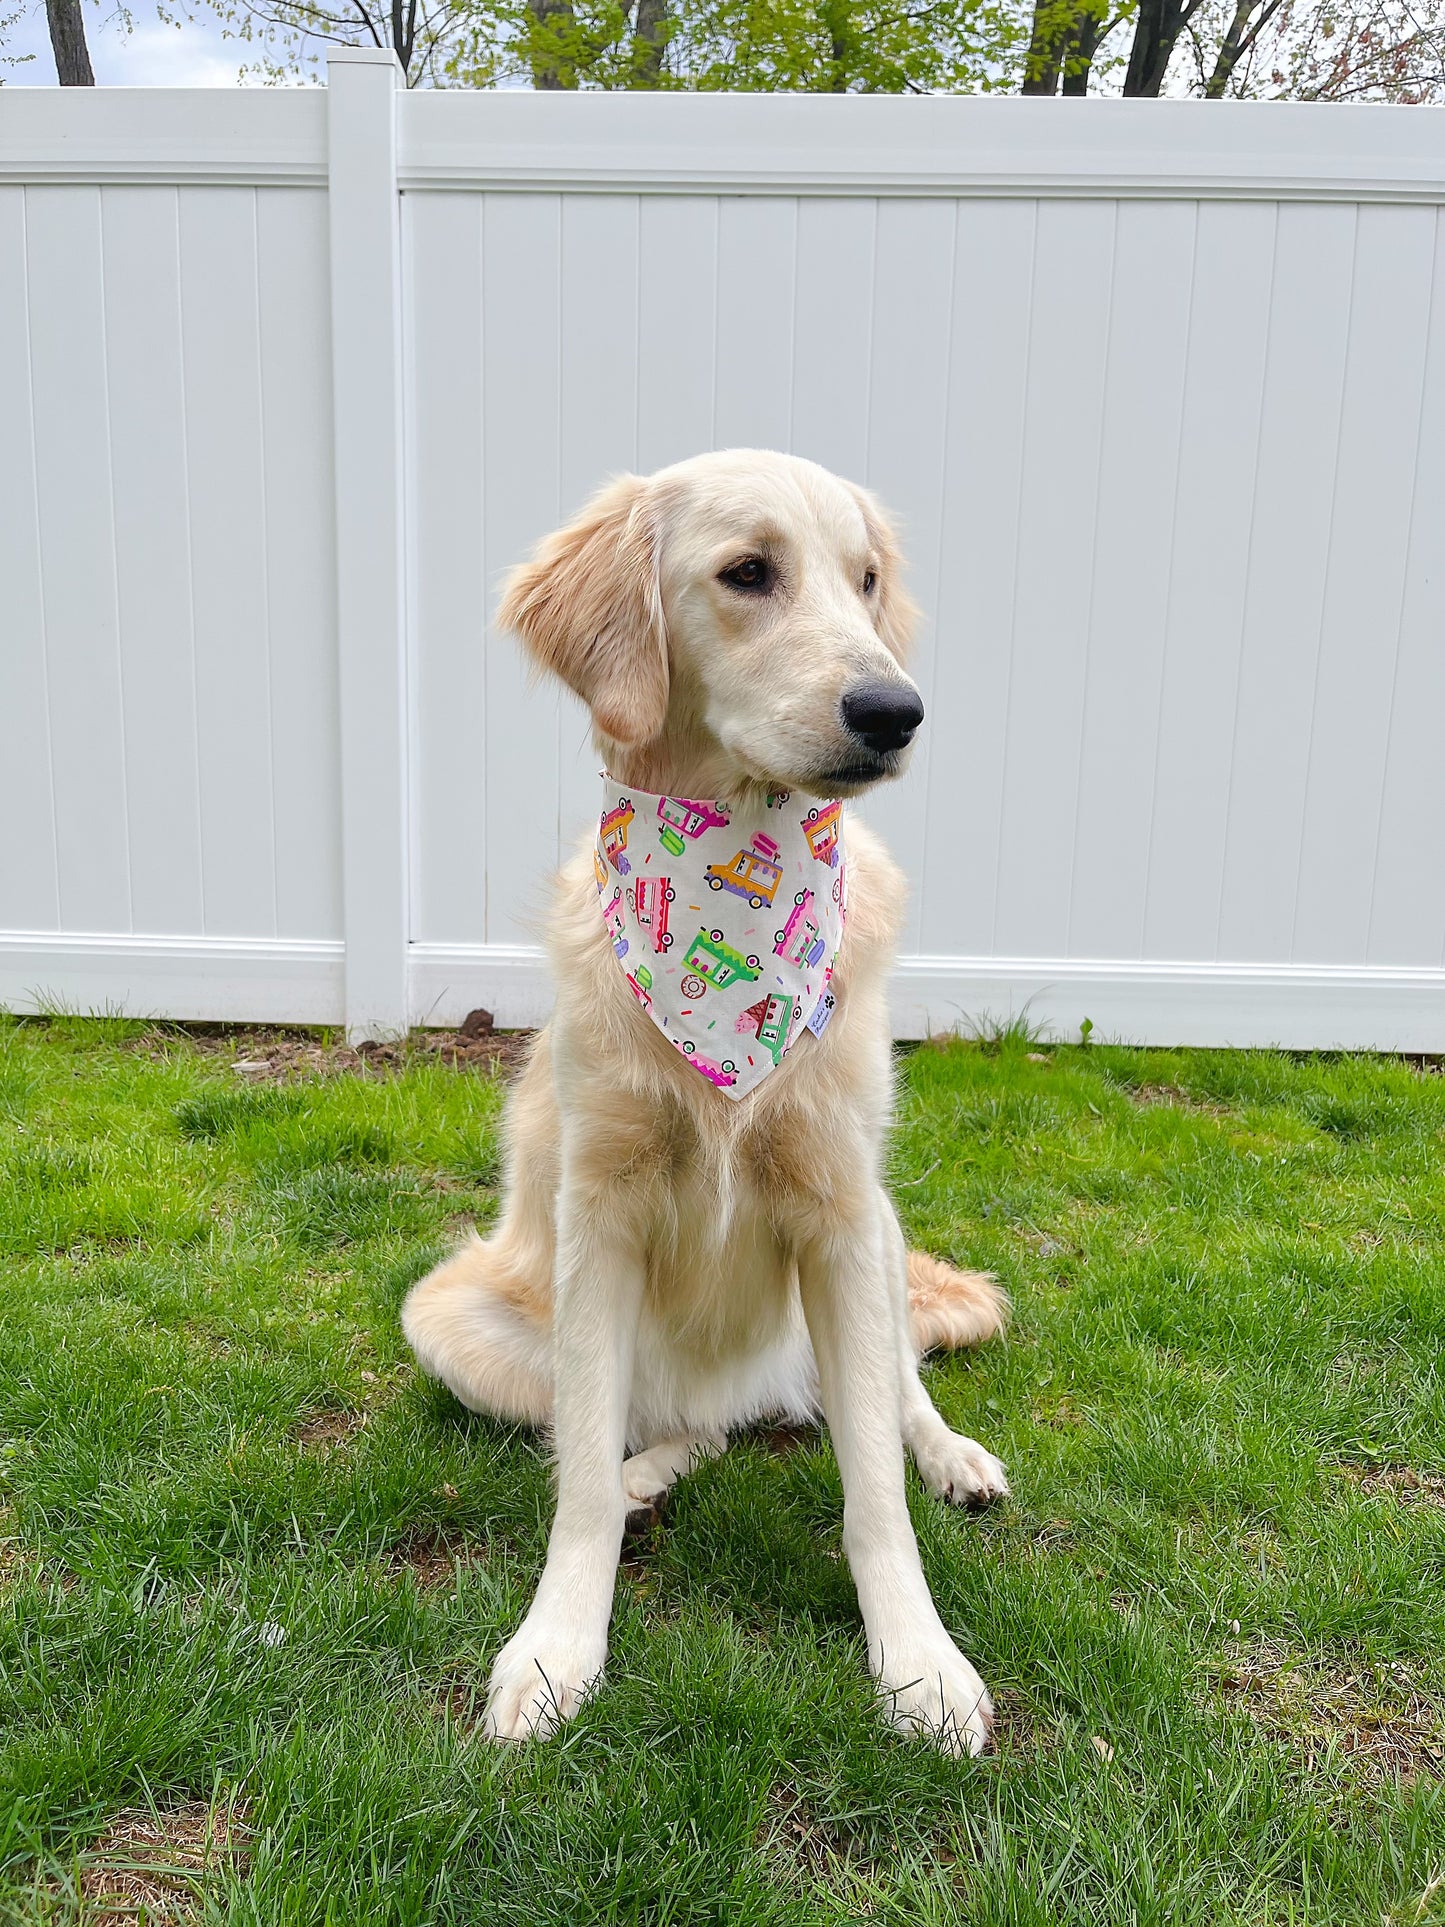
(726,923)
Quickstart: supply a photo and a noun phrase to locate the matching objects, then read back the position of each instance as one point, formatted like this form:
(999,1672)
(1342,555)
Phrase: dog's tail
(948,1308)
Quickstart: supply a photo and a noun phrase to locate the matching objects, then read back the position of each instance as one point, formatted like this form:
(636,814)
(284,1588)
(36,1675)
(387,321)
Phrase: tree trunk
(67,37)
(546,73)
(1228,51)
(650,35)
(1158,27)
(1046,48)
(1080,46)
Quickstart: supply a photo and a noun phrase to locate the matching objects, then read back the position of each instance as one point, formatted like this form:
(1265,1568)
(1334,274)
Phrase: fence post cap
(363,57)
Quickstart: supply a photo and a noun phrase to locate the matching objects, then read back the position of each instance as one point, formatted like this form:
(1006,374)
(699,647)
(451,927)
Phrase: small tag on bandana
(818,1022)
(726,924)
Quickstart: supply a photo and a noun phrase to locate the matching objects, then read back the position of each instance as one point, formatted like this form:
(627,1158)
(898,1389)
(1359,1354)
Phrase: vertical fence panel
(1063,428)
(65,272)
(677,291)
(147,422)
(521,286)
(1407,908)
(1210,541)
(29,879)
(1290,538)
(450,587)
(1124,625)
(992,326)
(298,488)
(220,322)
(1364,585)
(366,347)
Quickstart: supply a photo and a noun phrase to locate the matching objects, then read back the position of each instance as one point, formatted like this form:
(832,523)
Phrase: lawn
(252,1568)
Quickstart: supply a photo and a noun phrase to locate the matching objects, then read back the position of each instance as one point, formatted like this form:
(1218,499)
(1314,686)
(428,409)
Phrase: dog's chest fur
(724,1192)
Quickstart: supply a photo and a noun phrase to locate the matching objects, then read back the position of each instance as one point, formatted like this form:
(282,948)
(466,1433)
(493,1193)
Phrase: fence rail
(1157,388)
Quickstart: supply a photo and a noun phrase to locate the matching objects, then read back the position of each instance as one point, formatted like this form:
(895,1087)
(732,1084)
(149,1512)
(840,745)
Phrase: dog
(673,1262)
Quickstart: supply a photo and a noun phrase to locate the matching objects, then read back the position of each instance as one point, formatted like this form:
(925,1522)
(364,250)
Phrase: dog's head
(738,619)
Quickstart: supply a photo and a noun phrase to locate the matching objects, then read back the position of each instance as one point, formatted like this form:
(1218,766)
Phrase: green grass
(217,1581)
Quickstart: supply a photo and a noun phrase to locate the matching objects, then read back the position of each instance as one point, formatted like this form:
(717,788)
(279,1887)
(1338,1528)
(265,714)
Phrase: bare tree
(67,37)
(1250,49)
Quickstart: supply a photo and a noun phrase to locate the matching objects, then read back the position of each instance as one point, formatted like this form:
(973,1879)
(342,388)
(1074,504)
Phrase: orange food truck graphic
(717,963)
(613,831)
(650,898)
(612,915)
(770,1020)
(683,817)
(799,941)
(754,874)
(821,829)
(599,868)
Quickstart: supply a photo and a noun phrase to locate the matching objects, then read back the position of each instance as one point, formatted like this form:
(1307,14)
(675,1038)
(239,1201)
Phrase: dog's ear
(588,606)
(897,615)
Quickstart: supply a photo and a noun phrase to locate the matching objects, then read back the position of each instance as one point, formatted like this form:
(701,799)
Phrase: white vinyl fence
(1157,389)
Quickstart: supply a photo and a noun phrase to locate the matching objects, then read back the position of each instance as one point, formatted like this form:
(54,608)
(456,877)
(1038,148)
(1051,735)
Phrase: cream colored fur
(671,1264)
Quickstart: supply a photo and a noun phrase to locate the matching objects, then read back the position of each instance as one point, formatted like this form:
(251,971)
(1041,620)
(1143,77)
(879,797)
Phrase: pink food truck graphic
(613,831)
(641,981)
(799,940)
(720,1074)
(613,918)
(821,829)
(650,898)
(770,1020)
(717,963)
(754,873)
(683,817)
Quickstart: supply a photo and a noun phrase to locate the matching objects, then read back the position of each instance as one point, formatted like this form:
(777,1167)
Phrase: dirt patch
(278,1056)
(322,1434)
(803,1843)
(151,1867)
(1058,1411)
(1019,1730)
(1374,1714)
(431,1555)
(1399,1482)
(782,1440)
(1172,1097)
(461,1704)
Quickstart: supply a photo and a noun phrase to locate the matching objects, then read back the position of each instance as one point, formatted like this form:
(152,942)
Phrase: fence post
(366,350)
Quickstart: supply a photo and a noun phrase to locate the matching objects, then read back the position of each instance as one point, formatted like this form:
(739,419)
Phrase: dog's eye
(870,582)
(752,573)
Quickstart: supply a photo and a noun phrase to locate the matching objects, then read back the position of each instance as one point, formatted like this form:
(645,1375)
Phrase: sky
(154,55)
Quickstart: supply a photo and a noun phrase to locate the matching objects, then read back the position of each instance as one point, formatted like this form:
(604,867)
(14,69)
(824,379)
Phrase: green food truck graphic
(714,962)
(770,1020)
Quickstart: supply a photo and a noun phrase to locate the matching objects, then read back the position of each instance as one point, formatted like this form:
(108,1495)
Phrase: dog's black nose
(884,714)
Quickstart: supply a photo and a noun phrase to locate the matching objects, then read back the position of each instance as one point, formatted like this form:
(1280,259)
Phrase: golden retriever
(670,1263)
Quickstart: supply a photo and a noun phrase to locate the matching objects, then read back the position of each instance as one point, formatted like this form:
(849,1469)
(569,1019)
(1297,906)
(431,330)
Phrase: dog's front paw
(960,1470)
(541,1677)
(931,1689)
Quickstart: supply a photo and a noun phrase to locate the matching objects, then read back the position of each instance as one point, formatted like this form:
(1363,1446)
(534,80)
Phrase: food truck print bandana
(726,923)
